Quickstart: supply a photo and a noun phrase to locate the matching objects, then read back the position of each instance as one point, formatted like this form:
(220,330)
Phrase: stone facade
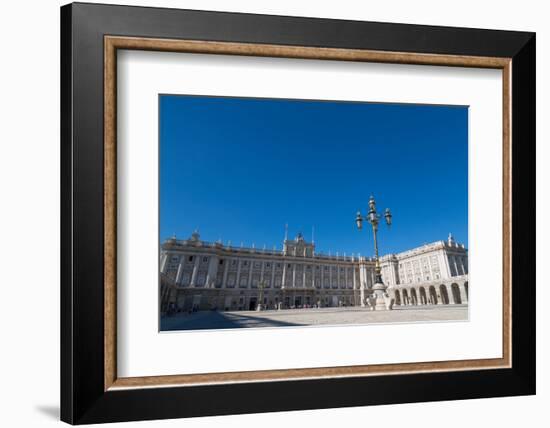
(203,275)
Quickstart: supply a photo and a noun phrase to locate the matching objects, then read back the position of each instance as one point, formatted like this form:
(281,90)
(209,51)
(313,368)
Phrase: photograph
(297,213)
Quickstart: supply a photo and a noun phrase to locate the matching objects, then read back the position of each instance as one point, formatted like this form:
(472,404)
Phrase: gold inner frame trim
(113,43)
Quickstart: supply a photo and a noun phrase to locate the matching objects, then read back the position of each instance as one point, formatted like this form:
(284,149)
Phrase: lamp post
(261,285)
(373,218)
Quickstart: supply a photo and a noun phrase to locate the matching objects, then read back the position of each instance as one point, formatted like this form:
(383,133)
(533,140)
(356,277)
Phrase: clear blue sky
(239,168)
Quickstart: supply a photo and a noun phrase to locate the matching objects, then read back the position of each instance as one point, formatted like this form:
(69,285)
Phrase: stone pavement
(311,317)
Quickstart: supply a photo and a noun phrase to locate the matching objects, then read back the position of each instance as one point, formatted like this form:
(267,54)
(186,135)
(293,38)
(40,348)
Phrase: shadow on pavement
(208,320)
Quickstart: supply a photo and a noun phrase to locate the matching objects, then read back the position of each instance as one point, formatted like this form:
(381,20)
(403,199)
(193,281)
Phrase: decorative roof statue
(451,240)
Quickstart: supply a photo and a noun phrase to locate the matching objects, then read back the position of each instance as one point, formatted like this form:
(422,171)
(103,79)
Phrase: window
(186,279)
(245,263)
(190,258)
(201,279)
(205,259)
(268,264)
(221,261)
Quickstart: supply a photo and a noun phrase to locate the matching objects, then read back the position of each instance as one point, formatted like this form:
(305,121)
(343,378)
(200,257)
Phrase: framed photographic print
(272,213)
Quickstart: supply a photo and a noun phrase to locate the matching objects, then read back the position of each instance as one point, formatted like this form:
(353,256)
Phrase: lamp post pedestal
(379,303)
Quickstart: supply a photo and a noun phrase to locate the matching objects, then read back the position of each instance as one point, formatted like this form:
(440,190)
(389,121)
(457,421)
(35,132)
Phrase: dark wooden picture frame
(90,37)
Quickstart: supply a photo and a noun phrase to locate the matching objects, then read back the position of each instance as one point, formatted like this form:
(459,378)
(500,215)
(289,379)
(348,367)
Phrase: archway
(397,297)
(414,299)
(405,297)
(433,295)
(423,299)
(444,294)
(456,294)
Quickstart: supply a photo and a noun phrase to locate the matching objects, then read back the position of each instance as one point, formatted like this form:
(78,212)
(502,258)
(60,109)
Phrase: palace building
(200,275)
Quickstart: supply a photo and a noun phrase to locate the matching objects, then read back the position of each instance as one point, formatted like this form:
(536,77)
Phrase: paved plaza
(204,320)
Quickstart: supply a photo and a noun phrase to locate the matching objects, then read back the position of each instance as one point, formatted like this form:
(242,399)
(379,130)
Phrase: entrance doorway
(456,294)
(423,299)
(252,304)
(433,295)
(444,295)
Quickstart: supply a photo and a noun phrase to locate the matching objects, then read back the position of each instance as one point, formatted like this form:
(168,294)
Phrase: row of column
(447,264)
(213,265)
(460,267)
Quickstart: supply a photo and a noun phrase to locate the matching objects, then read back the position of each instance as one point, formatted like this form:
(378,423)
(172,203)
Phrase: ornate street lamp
(260,305)
(374,219)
